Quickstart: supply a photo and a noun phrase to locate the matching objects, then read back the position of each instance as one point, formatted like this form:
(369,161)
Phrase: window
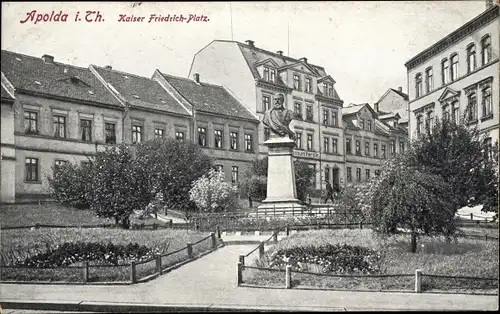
(266,103)
(296,82)
(110,130)
(471,58)
(486,101)
(248,143)
(358,174)
(298,140)
(308,85)
(418,85)
(471,107)
(59,126)
(202,136)
(486,49)
(428,121)
(309,142)
(348,146)
(488,148)
(30,122)
(309,113)
(136,134)
(334,145)
(326,117)
(267,134)
(393,147)
(58,163)
(367,174)
(349,174)
(419,124)
(382,148)
(313,180)
(326,144)
(454,67)
(334,118)
(298,109)
(375,149)
(273,75)
(325,89)
(446,112)
(233,140)
(159,133)
(179,136)
(217,138)
(234,174)
(266,73)
(330,90)
(445,72)
(455,112)
(367,148)
(86,130)
(401,147)
(429,84)
(31,169)
(369,122)
(358,147)
(362,123)
(327,173)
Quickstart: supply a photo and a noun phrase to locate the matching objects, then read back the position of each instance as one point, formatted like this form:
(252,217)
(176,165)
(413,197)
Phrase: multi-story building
(458,78)
(256,75)
(53,113)
(369,140)
(396,102)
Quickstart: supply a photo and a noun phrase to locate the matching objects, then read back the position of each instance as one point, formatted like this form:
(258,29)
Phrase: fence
(133,272)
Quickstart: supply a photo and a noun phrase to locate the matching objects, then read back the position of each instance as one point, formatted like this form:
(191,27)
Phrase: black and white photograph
(254,156)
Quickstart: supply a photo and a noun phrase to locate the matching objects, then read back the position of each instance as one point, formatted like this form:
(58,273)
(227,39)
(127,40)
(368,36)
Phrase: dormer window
(266,73)
(296,82)
(308,85)
(362,123)
(273,75)
(328,90)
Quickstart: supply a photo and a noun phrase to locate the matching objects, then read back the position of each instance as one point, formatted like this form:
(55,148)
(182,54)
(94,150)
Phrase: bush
(211,193)
(70,184)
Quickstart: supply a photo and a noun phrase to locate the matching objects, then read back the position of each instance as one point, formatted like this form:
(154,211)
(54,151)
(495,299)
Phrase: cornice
(463,31)
(329,100)
(272,86)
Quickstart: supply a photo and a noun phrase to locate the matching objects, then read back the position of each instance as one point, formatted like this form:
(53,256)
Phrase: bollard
(261,250)
(360,225)
(158,263)
(287,231)
(471,216)
(214,241)
(242,260)
(132,272)
(288,274)
(217,230)
(275,236)
(418,280)
(240,274)
(85,271)
(189,247)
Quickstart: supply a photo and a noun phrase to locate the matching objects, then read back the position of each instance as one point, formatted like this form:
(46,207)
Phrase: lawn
(436,256)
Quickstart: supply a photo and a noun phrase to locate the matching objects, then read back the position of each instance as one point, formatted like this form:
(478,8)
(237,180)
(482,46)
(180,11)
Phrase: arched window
(445,67)
(471,58)
(454,67)
(429,84)
(418,85)
(486,49)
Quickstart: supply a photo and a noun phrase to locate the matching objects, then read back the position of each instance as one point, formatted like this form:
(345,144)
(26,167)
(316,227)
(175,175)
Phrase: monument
(281,189)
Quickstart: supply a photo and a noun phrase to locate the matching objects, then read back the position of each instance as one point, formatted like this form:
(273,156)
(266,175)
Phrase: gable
(268,62)
(448,93)
(326,79)
(300,66)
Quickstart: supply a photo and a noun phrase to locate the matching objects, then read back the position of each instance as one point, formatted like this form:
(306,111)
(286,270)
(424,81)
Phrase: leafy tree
(457,153)
(118,185)
(70,183)
(303,179)
(211,193)
(171,167)
(404,197)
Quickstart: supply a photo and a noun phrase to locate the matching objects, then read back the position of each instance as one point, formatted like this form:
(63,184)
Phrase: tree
(211,193)
(171,166)
(303,179)
(70,184)
(118,185)
(403,197)
(459,155)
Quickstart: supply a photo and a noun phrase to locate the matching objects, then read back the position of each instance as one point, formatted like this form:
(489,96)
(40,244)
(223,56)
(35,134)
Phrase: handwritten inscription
(155,18)
(54,16)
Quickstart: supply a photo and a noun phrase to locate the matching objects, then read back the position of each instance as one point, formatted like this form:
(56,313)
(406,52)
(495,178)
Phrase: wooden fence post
(189,247)
(360,225)
(170,223)
(155,226)
(261,250)
(287,231)
(214,241)
(217,230)
(158,263)
(418,280)
(274,211)
(85,271)
(132,272)
(471,216)
(240,273)
(242,260)
(275,236)
(288,274)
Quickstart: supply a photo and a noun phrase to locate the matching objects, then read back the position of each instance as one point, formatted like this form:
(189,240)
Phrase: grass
(463,257)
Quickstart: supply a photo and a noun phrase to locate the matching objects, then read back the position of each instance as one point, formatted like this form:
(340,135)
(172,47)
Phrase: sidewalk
(209,283)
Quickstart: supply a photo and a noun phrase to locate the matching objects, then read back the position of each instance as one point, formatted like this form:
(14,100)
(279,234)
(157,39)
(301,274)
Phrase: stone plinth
(281,190)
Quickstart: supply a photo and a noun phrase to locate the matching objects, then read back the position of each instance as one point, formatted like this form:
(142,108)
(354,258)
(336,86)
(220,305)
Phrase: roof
(405,96)
(389,115)
(141,92)
(6,95)
(209,98)
(355,108)
(54,78)
(350,125)
(7,90)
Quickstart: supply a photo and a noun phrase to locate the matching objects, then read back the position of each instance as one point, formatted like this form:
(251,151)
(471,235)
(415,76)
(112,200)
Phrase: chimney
(376,107)
(250,43)
(303,59)
(108,67)
(197,78)
(48,59)
(400,89)
(489,4)
(279,52)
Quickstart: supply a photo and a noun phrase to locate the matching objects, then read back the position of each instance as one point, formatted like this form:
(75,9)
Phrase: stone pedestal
(281,190)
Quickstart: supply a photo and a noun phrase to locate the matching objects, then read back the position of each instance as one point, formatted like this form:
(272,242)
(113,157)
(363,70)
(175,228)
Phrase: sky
(362,45)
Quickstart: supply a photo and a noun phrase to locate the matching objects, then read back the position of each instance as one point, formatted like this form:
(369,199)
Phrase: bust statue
(278,118)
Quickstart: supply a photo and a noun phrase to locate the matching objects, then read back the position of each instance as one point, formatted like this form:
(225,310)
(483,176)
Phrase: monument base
(279,208)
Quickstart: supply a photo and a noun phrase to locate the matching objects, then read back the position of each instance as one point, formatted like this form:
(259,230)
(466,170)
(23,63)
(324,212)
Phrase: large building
(458,78)
(396,102)
(53,113)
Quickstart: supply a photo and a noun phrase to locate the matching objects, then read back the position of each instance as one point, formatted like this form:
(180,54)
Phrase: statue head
(279,100)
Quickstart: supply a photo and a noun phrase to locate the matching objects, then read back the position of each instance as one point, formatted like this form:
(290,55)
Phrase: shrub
(70,184)
(211,193)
